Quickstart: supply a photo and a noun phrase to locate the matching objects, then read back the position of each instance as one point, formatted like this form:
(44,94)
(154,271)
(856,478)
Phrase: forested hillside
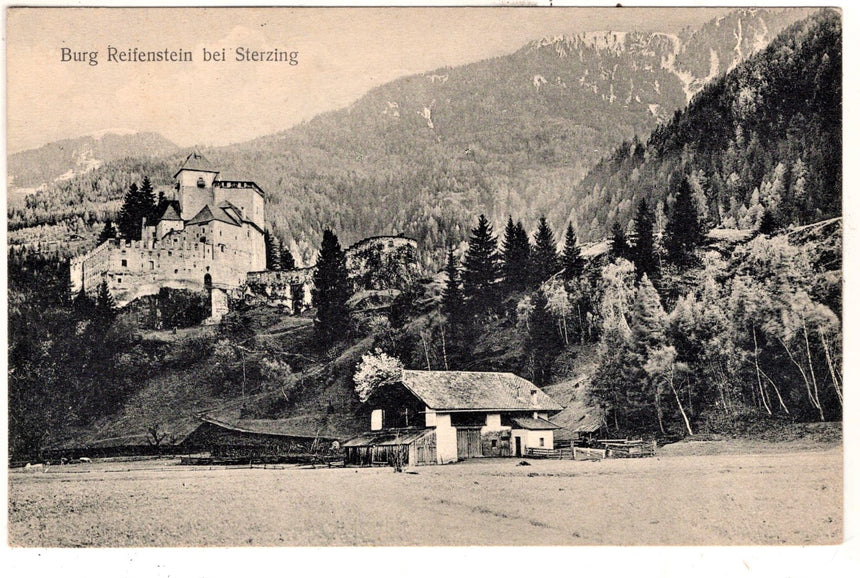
(422,155)
(765,137)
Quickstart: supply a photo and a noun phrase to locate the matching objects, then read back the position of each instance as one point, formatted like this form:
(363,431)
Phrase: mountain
(62,160)
(766,136)
(425,154)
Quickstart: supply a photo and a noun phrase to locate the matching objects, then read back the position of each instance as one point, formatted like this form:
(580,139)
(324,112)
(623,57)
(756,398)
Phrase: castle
(209,236)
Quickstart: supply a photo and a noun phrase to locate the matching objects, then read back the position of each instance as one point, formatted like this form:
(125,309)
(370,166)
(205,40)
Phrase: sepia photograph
(414,276)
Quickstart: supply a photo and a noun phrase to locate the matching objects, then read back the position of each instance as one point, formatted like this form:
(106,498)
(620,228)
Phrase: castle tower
(194,181)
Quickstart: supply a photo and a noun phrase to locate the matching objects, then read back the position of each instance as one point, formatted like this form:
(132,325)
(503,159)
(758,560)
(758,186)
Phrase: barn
(255,439)
(444,416)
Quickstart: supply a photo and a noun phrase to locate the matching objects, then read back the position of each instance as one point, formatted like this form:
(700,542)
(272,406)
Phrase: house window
(124,262)
(540,442)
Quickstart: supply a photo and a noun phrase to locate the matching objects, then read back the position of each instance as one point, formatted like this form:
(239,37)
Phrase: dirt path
(775,498)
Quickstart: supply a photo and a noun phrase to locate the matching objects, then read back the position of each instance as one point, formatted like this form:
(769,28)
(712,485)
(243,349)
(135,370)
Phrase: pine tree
(287,261)
(571,257)
(481,269)
(452,296)
(515,256)
(273,251)
(648,326)
(331,291)
(768,223)
(136,206)
(104,311)
(543,342)
(108,232)
(545,259)
(643,250)
(619,247)
(684,229)
(149,206)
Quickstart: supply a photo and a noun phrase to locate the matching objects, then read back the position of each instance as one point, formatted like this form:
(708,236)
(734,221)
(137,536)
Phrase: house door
(518,450)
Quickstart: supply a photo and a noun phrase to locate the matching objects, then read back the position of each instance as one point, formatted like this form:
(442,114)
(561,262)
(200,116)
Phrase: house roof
(196,162)
(389,437)
(209,213)
(476,390)
(533,423)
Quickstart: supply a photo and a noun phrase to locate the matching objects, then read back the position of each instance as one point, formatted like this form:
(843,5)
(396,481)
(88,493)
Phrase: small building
(444,416)
(255,439)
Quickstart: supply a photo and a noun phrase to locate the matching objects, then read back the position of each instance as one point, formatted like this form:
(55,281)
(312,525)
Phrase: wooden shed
(392,447)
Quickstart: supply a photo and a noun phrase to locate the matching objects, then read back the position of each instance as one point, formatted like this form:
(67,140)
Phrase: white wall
(446,439)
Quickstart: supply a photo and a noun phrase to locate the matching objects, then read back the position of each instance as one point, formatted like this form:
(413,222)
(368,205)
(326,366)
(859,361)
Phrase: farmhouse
(445,416)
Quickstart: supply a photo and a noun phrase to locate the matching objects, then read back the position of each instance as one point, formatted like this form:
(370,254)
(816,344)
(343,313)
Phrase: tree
(684,229)
(543,343)
(331,291)
(481,269)
(375,370)
(643,251)
(105,307)
(571,257)
(273,251)
(619,247)
(516,253)
(288,263)
(768,224)
(545,261)
(648,326)
(148,203)
(452,296)
(136,206)
(108,232)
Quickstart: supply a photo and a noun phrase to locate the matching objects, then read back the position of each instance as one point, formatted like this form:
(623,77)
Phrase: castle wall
(288,289)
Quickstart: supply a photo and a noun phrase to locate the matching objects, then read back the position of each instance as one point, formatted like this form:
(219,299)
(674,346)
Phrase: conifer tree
(104,311)
(543,342)
(619,248)
(287,261)
(273,251)
(684,229)
(452,296)
(108,232)
(571,257)
(481,269)
(331,291)
(648,326)
(136,206)
(643,251)
(515,256)
(148,203)
(546,263)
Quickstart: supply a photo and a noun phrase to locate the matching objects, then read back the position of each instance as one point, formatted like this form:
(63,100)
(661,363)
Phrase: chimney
(534,396)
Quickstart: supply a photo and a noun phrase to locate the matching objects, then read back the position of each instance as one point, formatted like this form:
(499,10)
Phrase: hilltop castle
(209,236)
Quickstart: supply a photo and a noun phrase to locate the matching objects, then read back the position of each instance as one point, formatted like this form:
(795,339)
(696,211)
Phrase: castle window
(170,253)
(222,248)
(119,280)
(123,251)
(152,265)
(175,271)
(124,262)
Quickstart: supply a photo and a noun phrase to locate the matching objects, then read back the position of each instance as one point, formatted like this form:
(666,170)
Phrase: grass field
(781,496)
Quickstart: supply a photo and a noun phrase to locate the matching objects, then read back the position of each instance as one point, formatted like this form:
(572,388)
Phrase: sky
(342,53)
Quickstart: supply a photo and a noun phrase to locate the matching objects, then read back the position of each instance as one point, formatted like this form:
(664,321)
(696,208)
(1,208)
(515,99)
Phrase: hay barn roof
(275,427)
(476,390)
